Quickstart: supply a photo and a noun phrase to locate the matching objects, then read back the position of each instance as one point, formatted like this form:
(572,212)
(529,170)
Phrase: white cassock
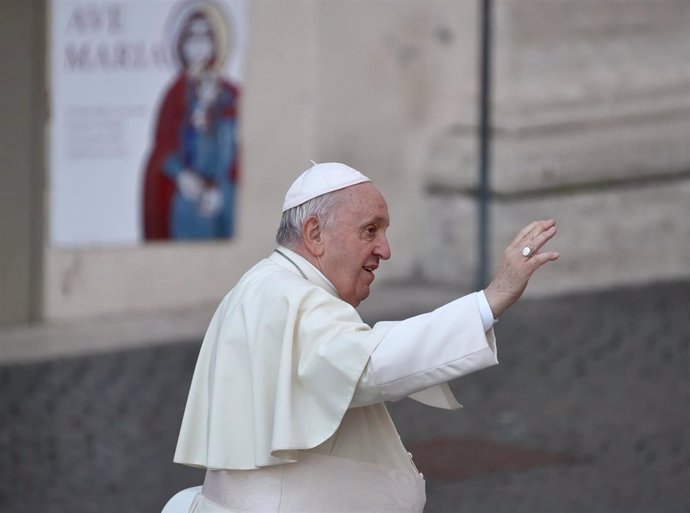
(286,410)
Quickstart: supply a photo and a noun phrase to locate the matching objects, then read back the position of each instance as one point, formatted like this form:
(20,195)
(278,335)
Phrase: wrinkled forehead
(362,203)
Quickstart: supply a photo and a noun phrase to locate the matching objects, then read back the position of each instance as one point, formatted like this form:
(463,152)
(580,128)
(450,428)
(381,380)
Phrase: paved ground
(589,412)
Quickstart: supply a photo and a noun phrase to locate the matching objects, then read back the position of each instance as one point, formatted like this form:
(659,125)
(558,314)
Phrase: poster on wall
(144,99)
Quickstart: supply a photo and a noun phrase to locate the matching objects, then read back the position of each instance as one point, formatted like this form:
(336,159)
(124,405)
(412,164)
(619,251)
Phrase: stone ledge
(556,155)
(606,238)
(101,334)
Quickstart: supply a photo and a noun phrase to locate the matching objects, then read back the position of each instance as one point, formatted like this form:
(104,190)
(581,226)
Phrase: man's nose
(383,250)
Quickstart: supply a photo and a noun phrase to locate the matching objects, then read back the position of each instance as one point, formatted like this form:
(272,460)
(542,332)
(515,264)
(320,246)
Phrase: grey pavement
(589,411)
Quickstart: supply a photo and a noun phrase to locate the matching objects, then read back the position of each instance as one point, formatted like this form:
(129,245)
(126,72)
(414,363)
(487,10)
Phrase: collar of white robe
(292,262)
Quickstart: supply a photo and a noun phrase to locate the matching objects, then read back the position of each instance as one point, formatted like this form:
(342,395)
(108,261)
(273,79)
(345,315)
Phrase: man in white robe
(286,407)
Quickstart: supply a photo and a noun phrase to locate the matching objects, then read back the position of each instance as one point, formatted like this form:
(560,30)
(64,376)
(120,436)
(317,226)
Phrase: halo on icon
(217,17)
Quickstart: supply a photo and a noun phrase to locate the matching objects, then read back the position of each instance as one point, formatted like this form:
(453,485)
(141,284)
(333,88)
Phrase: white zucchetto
(321,179)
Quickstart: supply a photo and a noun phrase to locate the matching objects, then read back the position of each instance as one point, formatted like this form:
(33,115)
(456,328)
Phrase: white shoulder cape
(276,372)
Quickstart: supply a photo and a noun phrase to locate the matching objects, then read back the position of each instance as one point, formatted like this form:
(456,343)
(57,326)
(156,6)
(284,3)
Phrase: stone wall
(591,126)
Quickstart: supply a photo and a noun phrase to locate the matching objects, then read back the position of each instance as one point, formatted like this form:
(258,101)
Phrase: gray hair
(322,207)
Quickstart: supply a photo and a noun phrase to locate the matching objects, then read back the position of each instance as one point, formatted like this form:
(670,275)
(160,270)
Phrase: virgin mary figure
(192,171)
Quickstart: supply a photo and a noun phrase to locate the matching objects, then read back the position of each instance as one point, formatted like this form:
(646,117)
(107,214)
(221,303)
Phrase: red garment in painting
(159,188)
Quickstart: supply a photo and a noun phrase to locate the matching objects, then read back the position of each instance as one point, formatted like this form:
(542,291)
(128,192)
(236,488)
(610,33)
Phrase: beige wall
(592,123)
(393,75)
(592,127)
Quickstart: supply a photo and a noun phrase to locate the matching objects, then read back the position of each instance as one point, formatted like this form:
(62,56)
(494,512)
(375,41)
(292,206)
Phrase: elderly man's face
(357,242)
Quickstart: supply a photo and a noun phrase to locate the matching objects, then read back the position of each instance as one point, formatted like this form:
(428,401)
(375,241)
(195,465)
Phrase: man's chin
(361,297)
(358,296)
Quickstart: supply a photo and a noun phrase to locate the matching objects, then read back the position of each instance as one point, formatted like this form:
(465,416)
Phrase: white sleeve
(428,350)
(485,310)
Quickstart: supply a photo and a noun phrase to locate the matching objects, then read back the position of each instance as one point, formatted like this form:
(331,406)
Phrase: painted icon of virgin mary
(192,171)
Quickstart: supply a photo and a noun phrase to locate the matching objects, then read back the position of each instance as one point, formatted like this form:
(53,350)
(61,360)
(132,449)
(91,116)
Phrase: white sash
(316,484)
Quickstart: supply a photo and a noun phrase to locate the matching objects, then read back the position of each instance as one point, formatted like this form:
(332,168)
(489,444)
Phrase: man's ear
(312,236)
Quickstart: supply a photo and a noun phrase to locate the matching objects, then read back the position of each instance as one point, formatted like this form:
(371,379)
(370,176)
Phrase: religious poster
(144,119)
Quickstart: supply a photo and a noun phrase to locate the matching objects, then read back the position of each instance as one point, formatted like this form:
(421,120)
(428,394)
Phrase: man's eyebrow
(376,220)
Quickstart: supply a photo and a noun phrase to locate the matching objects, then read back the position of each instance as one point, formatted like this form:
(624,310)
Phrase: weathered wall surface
(591,125)
(393,75)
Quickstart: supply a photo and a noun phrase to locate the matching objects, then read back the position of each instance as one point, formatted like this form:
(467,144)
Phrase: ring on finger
(526,251)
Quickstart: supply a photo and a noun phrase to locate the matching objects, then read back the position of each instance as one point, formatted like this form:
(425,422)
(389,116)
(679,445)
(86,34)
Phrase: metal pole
(484,134)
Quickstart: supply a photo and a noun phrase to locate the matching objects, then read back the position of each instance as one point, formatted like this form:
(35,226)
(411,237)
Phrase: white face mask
(198,46)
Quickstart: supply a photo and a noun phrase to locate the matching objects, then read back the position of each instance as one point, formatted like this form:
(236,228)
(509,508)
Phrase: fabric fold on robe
(276,372)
